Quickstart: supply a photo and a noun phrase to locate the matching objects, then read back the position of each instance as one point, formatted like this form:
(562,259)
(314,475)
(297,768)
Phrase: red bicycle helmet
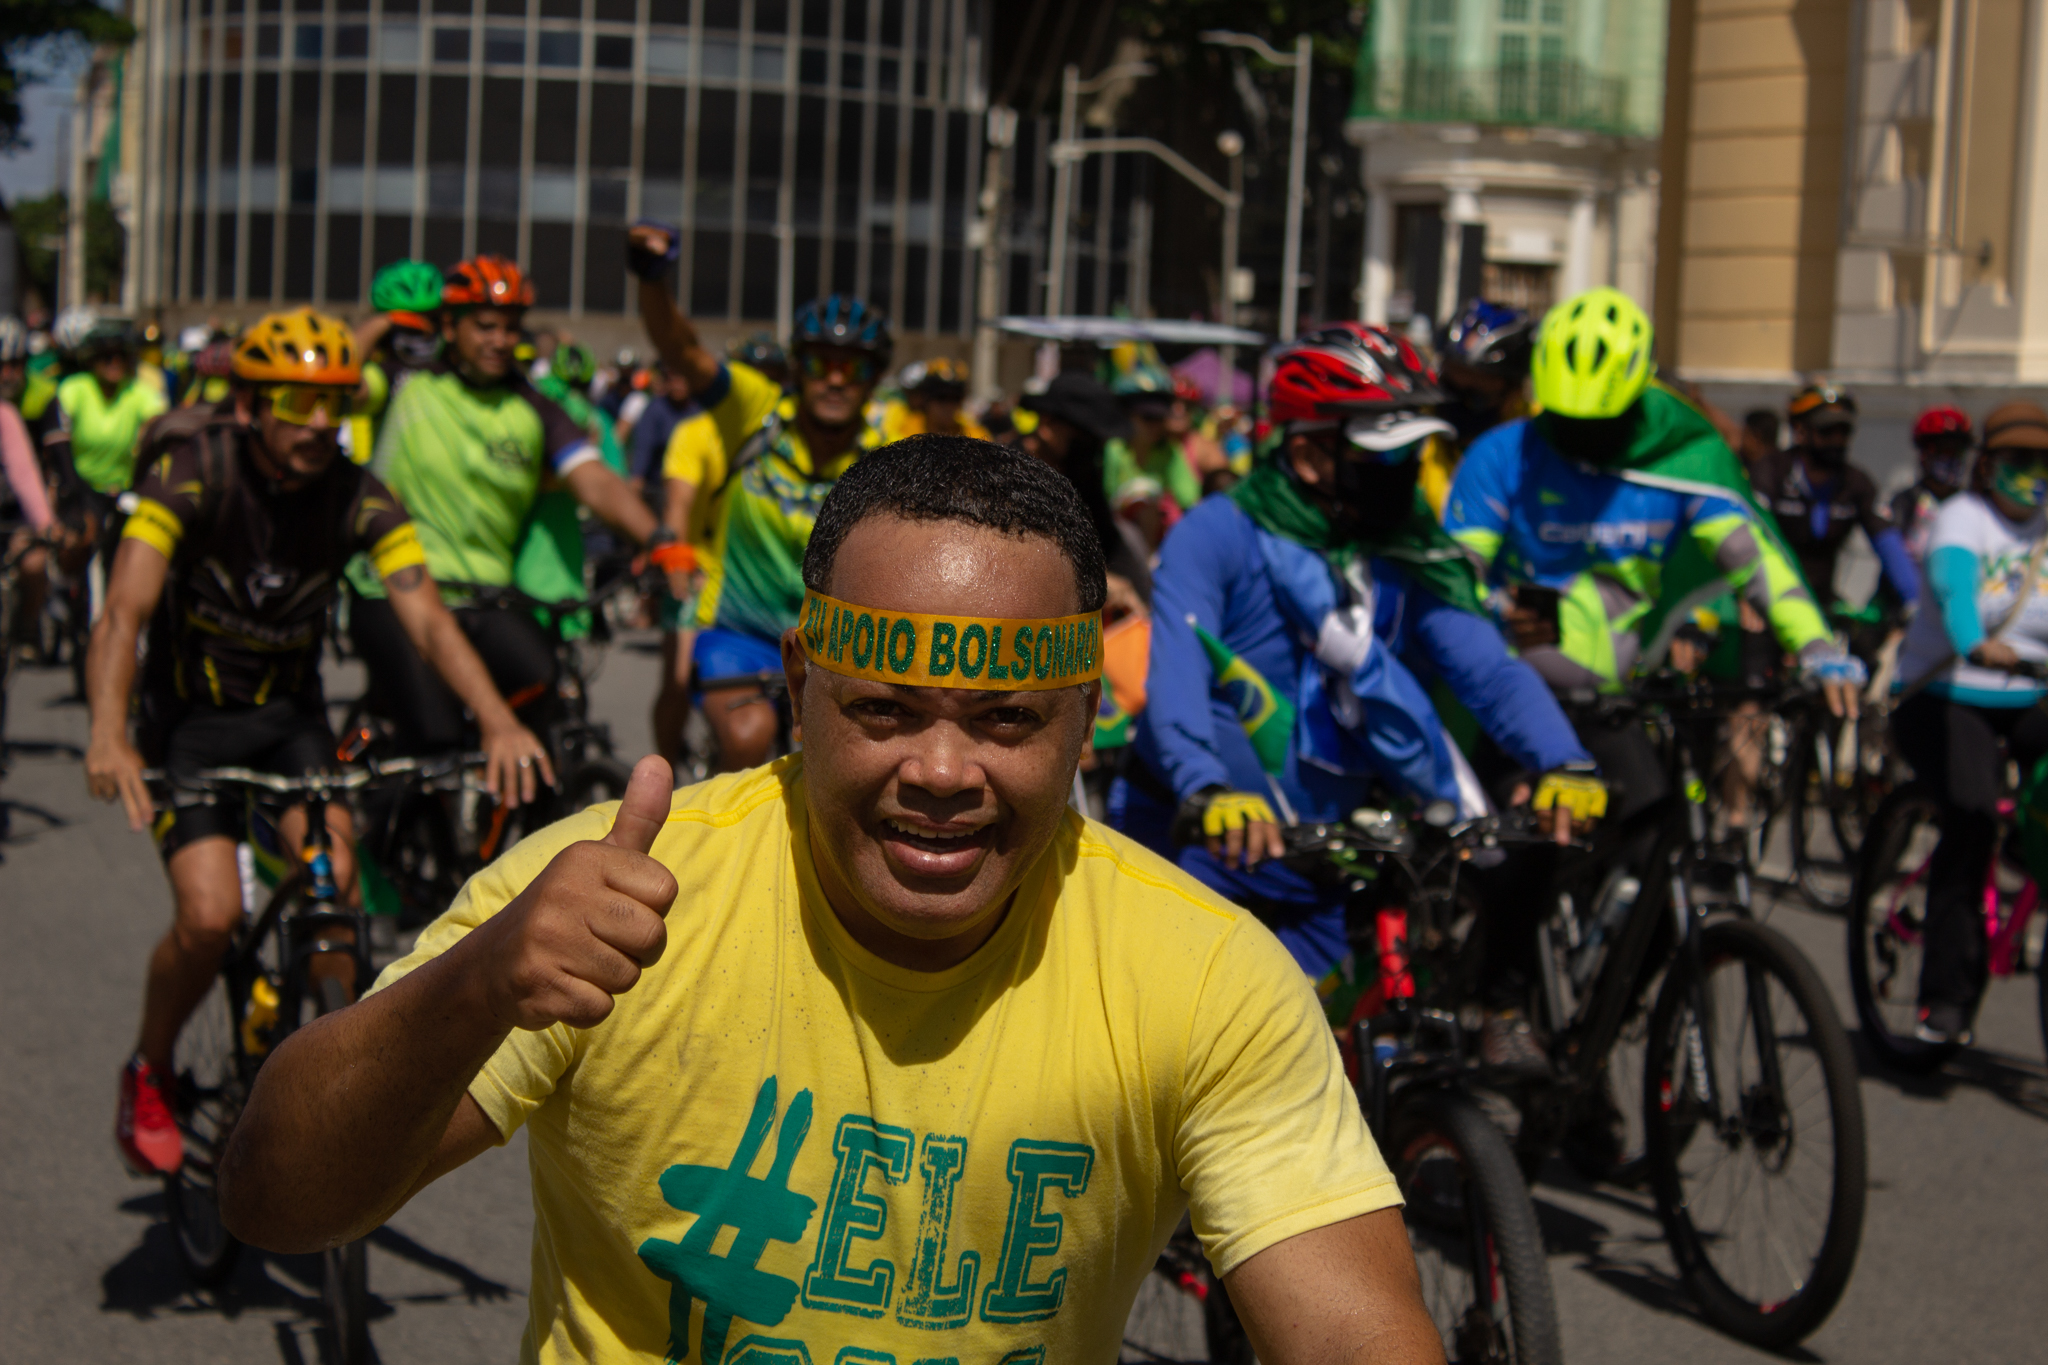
(1346,369)
(1942,421)
(486,282)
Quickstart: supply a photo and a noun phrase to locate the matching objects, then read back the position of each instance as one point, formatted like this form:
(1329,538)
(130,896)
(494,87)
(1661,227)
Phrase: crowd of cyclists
(1406,574)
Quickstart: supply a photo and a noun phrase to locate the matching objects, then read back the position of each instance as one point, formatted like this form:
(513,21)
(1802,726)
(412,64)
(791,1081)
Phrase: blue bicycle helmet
(1489,337)
(843,320)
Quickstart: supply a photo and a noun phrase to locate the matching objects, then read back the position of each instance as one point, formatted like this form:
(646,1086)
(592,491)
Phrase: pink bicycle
(1887,916)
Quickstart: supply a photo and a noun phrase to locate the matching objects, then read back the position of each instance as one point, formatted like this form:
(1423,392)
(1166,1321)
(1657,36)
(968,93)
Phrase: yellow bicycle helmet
(1593,355)
(300,347)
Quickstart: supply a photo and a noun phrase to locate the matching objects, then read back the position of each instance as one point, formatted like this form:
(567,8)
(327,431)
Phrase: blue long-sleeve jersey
(1214,572)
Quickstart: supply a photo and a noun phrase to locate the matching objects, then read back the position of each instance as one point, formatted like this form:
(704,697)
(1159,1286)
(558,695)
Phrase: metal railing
(1542,93)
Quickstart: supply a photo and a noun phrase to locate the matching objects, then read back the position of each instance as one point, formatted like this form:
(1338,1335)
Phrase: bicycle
(278,974)
(1748,1079)
(1470,1219)
(1824,777)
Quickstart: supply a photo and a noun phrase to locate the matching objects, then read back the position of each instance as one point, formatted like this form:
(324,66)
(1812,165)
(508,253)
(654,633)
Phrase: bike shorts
(723,655)
(289,736)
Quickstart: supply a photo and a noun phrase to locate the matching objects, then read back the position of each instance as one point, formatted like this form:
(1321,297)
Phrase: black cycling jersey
(1816,518)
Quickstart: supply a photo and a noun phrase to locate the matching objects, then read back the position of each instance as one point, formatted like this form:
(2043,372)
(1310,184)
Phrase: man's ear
(245,404)
(1309,460)
(795,667)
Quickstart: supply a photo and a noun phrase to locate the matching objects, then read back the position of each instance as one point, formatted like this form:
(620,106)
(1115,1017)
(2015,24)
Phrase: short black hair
(959,478)
(1762,424)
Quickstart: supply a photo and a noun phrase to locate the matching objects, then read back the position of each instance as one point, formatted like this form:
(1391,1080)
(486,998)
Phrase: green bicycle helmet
(1592,357)
(573,364)
(410,291)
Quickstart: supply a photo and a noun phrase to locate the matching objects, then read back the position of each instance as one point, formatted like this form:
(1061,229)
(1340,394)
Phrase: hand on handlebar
(113,771)
(515,762)
(1237,827)
(1573,795)
(1841,676)
(2000,655)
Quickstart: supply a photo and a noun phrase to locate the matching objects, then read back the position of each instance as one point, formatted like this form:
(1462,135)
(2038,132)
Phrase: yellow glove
(1229,811)
(1583,794)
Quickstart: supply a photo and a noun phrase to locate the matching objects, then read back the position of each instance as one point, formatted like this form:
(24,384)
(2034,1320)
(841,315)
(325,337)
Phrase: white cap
(1383,431)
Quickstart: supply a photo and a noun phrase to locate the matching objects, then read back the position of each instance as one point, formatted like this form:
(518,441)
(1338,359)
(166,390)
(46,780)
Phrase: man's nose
(942,761)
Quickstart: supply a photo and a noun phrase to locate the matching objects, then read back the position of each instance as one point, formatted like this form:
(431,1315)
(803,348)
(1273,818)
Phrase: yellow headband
(993,653)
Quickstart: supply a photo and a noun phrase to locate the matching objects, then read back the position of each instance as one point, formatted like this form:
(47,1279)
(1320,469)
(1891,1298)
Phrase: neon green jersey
(103,432)
(467,462)
(771,501)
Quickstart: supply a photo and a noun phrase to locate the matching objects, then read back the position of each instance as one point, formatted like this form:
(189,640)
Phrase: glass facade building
(294,146)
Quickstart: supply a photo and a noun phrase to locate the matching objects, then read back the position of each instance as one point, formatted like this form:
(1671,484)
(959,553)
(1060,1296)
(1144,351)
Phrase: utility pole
(1297,161)
(995,216)
(1072,87)
(1231,144)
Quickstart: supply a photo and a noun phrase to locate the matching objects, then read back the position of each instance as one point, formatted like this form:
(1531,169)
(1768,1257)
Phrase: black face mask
(1593,440)
(413,350)
(1828,456)
(1373,499)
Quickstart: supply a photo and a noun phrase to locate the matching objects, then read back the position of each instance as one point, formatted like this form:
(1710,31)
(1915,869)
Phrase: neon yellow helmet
(1592,356)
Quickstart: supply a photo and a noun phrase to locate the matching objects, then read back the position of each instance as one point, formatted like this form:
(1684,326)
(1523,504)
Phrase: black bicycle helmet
(843,320)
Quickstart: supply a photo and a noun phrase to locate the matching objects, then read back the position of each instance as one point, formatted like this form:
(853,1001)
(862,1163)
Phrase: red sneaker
(148,1135)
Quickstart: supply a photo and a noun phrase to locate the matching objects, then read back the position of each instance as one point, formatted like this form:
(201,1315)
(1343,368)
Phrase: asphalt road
(1950,1265)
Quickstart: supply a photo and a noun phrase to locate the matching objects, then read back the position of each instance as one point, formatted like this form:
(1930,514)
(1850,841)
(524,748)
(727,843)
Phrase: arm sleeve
(564,442)
(1510,702)
(1728,534)
(1476,509)
(167,499)
(1953,579)
(382,530)
(1189,588)
(524,1070)
(24,471)
(1269,1142)
(739,400)
(1897,563)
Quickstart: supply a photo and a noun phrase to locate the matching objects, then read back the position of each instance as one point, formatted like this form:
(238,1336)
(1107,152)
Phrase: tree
(23,23)
(39,225)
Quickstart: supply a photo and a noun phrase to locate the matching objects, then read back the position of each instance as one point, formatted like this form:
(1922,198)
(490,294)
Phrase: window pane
(668,55)
(892,23)
(448,120)
(604,272)
(298,255)
(854,24)
(554,123)
(817,18)
(766,66)
(722,14)
(608,198)
(345,189)
(662,200)
(553,247)
(721,59)
(349,128)
(306,42)
(497,192)
(710,274)
(613,51)
(352,40)
(451,45)
(395,121)
(771,16)
(400,44)
(553,195)
(344,257)
(558,48)
(758,277)
(616,11)
(611,125)
(500,115)
(442,239)
(445,189)
(224,256)
(390,238)
(504,47)
(395,191)
(561,9)
(812,66)
(514,8)
(262,265)
(852,71)
(269,42)
(662,156)
(668,12)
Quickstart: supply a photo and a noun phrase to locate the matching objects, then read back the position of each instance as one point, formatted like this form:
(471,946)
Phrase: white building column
(1376,280)
(1578,248)
(1461,206)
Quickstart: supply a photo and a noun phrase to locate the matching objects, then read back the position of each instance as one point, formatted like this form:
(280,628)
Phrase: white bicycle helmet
(71,327)
(13,341)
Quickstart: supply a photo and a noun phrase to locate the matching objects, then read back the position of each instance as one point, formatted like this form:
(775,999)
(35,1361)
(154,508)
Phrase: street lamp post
(1297,161)
(1231,144)
(1072,87)
(995,214)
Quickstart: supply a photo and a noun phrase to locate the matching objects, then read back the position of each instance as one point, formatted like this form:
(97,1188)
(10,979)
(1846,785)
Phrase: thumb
(645,807)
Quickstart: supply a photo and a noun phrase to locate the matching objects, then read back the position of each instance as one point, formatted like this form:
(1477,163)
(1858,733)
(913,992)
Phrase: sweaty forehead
(952,568)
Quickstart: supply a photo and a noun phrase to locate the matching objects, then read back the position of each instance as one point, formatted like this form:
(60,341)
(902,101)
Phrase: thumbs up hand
(582,931)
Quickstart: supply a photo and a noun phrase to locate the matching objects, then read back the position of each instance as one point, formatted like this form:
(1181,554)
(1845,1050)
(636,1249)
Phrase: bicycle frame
(2006,933)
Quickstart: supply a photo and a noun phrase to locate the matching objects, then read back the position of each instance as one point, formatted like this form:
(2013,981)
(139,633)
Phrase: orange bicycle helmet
(486,282)
(300,347)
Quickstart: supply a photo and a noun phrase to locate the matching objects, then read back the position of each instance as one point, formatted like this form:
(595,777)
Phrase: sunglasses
(296,403)
(859,370)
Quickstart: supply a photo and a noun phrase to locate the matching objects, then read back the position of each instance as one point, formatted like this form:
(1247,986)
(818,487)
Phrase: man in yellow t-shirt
(933,1065)
(693,477)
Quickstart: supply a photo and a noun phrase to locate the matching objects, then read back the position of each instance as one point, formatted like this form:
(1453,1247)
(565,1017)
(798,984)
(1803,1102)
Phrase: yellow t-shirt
(900,420)
(855,1162)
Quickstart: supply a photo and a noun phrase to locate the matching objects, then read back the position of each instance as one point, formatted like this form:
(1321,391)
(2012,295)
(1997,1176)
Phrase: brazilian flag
(1267,717)
(1112,722)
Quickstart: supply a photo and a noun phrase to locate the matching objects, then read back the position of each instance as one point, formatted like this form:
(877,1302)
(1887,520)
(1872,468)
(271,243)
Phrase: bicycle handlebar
(346,779)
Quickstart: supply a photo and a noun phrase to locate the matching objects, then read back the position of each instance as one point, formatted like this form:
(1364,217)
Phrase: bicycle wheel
(1182,1312)
(593,781)
(345,1270)
(210,1091)
(1756,1145)
(1474,1232)
(1821,862)
(1887,921)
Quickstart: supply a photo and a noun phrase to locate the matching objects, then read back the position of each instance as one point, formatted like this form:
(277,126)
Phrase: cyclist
(230,561)
(933,391)
(929,997)
(1987,616)
(1150,481)
(1819,497)
(693,482)
(1611,514)
(105,407)
(397,341)
(24,494)
(1482,359)
(549,564)
(1316,575)
(467,446)
(1941,443)
(784,454)
(1070,427)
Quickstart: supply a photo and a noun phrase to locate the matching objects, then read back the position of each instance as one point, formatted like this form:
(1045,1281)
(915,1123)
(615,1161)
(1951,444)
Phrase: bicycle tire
(1885,923)
(1775,1113)
(1469,1211)
(211,1088)
(345,1270)
(1825,882)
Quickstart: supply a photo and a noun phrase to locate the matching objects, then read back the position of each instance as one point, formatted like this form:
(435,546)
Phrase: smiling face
(929,804)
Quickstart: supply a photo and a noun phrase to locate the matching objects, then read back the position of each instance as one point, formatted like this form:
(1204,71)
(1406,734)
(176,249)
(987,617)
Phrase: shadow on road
(2021,1083)
(150,1280)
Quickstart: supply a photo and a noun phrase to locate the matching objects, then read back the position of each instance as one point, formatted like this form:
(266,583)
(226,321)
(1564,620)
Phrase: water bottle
(261,1014)
(1617,898)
